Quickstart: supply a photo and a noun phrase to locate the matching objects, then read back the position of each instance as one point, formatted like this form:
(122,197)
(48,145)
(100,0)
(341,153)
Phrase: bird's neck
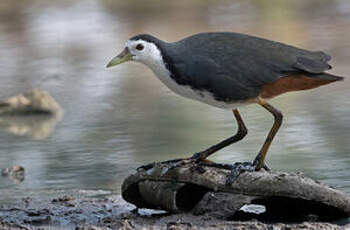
(157,64)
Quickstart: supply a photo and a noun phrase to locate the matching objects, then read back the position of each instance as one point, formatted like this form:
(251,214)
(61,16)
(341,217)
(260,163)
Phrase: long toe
(266,168)
(197,157)
(146,166)
(238,168)
(257,168)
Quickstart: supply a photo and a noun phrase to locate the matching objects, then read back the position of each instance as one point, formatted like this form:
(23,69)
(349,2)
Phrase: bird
(229,70)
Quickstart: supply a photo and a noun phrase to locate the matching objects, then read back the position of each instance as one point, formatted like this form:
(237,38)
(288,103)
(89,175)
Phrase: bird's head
(142,48)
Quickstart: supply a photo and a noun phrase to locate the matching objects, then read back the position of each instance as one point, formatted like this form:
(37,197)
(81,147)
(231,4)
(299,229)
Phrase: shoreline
(72,211)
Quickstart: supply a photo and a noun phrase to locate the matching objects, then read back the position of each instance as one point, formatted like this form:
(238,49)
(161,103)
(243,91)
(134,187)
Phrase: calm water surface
(117,119)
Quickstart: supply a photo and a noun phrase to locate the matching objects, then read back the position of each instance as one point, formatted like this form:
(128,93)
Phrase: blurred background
(118,119)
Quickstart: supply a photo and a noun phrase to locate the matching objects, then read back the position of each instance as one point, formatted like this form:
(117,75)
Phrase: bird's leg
(201,156)
(241,133)
(259,161)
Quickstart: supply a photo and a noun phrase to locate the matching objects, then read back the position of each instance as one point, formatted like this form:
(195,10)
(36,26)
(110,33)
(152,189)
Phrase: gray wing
(313,65)
(203,74)
(247,60)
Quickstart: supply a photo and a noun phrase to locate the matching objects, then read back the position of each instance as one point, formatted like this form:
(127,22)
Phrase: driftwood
(203,189)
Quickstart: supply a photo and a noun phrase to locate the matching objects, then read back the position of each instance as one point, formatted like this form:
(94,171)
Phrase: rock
(33,114)
(285,196)
(65,198)
(12,170)
(15,173)
(68,201)
(32,102)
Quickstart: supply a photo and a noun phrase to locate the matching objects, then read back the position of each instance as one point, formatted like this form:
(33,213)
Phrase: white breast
(156,64)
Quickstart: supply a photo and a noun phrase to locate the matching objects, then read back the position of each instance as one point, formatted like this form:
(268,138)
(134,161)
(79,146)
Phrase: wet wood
(181,189)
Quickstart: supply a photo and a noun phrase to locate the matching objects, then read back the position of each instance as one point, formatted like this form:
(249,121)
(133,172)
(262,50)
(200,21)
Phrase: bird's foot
(175,163)
(241,167)
(146,166)
(194,160)
(172,164)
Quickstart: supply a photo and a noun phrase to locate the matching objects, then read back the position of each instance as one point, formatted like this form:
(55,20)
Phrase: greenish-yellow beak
(124,56)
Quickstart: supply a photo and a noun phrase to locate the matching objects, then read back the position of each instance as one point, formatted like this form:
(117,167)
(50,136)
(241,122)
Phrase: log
(184,189)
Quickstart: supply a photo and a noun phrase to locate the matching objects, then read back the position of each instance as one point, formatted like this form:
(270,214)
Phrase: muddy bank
(75,211)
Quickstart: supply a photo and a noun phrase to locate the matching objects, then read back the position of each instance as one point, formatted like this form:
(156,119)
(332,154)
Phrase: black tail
(327,77)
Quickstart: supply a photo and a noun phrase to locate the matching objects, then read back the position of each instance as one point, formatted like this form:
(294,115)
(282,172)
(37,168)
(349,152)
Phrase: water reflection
(37,127)
(118,119)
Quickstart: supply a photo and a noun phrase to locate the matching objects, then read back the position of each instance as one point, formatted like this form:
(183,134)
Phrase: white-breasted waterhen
(227,70)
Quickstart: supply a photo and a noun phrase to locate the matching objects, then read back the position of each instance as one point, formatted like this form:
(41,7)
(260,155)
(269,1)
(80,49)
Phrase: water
(117,119)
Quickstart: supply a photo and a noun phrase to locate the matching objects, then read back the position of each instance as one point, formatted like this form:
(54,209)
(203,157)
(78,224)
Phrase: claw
(175,163)
(182,162)
(197,157)
(266,168)
(146,166)
(240,167)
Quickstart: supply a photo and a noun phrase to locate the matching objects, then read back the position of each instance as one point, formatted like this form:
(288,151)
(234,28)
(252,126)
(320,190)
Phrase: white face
(144,52)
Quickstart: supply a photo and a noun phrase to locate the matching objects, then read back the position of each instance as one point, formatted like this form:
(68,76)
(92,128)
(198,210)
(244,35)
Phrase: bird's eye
(139,47)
